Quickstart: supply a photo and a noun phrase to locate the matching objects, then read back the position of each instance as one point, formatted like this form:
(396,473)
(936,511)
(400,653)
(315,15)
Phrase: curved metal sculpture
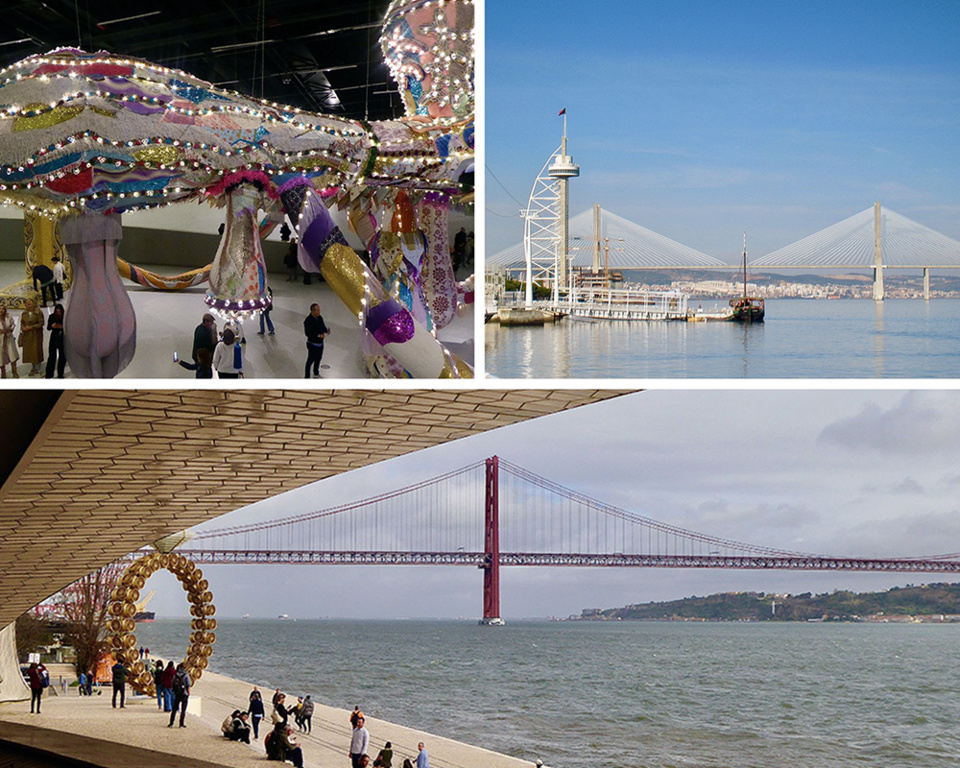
(122,610)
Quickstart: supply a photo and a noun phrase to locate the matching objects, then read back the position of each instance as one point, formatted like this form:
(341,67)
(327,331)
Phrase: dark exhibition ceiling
(319,56)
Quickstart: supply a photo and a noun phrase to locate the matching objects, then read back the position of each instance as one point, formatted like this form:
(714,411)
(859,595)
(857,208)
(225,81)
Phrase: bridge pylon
(877,254)
(491,545)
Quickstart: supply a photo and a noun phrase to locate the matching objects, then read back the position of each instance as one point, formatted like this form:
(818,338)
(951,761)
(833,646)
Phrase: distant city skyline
(835,472)
(701,120)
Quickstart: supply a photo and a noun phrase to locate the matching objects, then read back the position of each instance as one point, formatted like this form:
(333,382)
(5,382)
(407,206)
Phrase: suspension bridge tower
(491,545)
(546,222)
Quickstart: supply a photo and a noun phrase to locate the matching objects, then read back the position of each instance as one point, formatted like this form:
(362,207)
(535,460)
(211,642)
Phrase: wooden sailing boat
(746,309)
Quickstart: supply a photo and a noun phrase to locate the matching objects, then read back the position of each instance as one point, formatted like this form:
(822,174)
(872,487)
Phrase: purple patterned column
(100,328)
(439,283)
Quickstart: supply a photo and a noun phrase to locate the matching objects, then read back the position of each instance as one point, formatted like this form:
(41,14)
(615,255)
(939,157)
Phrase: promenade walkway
(90,731)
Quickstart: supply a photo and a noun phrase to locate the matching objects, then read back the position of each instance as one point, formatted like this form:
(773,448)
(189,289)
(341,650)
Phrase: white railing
(625,304)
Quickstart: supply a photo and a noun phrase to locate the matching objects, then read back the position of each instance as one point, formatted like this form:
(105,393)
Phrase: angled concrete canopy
(110,471)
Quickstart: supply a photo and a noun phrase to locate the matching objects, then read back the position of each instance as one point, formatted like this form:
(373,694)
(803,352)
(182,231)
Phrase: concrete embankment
(142,730)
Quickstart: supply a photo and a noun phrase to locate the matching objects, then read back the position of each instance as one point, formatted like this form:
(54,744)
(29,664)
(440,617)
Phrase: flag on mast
(562,112)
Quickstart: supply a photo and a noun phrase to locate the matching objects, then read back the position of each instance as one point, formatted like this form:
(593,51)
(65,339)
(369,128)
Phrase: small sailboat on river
(746,309)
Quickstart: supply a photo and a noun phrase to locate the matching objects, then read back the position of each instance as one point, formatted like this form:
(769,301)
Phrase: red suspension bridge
(493,513)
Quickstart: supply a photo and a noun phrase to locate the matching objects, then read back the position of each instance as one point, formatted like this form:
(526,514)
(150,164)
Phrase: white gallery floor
(166,321)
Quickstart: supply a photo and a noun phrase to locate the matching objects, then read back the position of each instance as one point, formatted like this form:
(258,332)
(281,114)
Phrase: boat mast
(744,265)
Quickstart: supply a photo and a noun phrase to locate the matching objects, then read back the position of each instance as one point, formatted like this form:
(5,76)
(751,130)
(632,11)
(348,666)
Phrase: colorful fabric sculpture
(85,136)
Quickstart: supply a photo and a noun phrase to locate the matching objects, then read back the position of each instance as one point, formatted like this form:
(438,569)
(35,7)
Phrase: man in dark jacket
(315,330)
(181,695)
(205,335)
(43,275)
(119,682)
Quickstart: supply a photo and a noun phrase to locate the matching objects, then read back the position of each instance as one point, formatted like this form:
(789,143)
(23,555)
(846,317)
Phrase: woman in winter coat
(31,336)
(8,343)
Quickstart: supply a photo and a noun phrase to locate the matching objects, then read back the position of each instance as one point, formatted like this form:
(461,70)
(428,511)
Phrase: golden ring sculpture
(122,609)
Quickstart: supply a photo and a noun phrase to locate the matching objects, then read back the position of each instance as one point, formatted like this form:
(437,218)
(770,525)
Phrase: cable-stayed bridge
(876,238)
(494,513)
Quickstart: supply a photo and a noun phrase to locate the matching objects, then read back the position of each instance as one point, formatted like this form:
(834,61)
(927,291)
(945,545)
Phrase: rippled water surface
(800,339)
(606,695)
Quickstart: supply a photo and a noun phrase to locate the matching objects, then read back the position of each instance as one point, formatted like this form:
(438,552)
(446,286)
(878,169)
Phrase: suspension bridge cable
(326,512)
(617,512)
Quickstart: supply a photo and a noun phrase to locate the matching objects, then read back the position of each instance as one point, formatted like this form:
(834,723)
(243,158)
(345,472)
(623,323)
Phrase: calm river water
(800,339)
(624,695)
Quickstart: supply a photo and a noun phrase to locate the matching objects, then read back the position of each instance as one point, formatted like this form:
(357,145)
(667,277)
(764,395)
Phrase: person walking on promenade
(119,682)
(385,756)
(36,674)
(8,343)
(297,711)
(422,760)
(315,330)
(158,682)
(306,714)
(205,335)
(82,684)
(359,742)
(31,336)
(56,358)
(256,711)
(167,682)
(276,697)
(90,682)
(181,695)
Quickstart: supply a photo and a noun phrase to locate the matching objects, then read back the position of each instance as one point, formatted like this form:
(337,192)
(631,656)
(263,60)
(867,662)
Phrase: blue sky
(700,120)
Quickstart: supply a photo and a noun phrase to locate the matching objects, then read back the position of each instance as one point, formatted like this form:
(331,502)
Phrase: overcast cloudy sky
(833,472)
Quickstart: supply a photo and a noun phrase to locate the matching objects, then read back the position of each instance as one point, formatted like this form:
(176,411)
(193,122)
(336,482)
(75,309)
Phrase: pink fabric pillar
(100,328)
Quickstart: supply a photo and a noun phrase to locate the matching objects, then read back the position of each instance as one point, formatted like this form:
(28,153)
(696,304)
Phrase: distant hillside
(898,603)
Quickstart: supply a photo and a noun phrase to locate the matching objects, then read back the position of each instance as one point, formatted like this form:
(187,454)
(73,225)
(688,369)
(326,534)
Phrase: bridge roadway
(481,560)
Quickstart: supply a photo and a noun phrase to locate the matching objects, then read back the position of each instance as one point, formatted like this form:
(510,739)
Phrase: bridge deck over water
(482,517)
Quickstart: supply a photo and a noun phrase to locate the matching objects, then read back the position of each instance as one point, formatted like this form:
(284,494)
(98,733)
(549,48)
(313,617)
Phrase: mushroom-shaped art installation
(87,136)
